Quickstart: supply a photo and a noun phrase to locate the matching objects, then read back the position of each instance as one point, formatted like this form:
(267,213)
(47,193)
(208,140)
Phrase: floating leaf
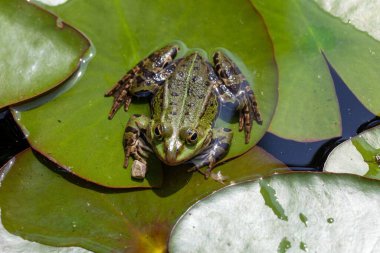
(302,33)
(361,14)
(38,51)
(58,209)
(324,213)
(359,155)
(81,139)
(14,244)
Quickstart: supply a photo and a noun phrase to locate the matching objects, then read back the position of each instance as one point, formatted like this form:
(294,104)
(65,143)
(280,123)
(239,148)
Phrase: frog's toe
(122,98)
(139,170)
(246,117)
(196,168)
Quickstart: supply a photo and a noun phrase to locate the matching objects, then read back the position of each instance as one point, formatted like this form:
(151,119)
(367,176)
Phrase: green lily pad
(57,208)
(38,51)
(309,212)
(302,33)
(14,244)
(73,129)
(359,155)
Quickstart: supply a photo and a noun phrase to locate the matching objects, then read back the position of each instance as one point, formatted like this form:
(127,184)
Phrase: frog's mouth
(173,157)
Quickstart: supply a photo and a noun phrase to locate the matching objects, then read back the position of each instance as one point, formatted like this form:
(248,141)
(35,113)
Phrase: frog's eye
(161,131)
(158,131)
(191,136)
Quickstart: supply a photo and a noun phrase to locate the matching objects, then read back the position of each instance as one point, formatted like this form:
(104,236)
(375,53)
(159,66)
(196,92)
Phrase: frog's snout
(171,156)
(172,152)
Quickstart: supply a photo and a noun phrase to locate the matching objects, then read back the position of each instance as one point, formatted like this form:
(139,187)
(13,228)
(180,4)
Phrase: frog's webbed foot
(134,144)
(143,79)
(248,111)
(217,149)
(235,89)
(122,93)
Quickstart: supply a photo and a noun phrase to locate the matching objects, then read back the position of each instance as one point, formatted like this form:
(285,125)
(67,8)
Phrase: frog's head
(176,147)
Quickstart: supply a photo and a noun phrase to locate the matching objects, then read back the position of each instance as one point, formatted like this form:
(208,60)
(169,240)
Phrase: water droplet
(284,245)
(303,218)
(303,246)
(330,220)
(270,198)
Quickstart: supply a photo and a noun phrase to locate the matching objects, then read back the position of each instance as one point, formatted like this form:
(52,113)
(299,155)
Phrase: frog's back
(186,98)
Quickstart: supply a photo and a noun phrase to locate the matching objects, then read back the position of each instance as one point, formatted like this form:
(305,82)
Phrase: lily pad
(38,51)
(14,244)
(309,212)
(302,35)
(359,155)
(57,208)
(360,14)
(81,139)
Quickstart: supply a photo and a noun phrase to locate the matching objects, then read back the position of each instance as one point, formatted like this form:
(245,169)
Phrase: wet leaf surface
(359,155)
(308,109)
(311,212)
(80,137)
(72,212)
(37,51)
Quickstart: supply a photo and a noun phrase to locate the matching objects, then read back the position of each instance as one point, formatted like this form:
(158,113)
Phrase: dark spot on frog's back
(180,74)
(194,79)
(139,79)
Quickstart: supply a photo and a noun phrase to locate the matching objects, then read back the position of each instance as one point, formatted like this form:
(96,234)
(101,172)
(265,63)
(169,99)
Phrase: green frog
(187,95)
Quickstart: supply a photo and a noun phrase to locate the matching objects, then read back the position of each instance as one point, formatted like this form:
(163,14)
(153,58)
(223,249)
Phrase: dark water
(312,155)
(355,119)
(12,140)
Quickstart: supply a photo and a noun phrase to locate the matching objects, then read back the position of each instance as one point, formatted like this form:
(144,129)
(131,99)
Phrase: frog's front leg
(236,88)
(143,79)
(134,145)
(217,149)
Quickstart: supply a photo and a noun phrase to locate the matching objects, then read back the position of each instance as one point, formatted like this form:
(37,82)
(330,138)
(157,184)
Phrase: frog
(186,95)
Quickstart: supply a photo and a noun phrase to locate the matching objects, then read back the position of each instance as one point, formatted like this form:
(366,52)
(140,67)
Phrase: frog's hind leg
(134,145)
(143,79)
(235,87)
(218,148)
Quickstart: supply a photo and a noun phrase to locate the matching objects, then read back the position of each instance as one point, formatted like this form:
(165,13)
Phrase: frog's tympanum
(187,95)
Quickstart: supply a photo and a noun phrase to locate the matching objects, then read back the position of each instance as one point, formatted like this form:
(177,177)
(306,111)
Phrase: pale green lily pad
(73,130)
(361,14)
(302,32)
(294,212)
(56,208)
(357,155)
(38,51)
